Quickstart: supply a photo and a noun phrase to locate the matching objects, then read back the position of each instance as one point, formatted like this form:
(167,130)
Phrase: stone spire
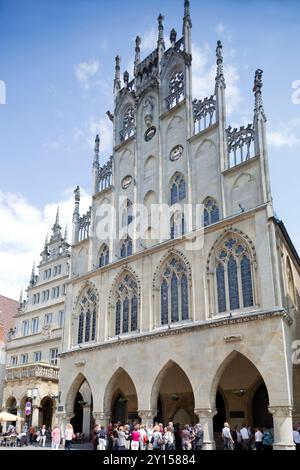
(126,78)
(137,54)
(56,229)
(76,216)
(187,26)
(21,298)
(117,80)
(97,149)
(220,80)
(66,234)
(258,107)
(161,39)
(45,252)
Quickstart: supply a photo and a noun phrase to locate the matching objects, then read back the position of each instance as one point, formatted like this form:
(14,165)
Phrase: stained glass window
(126,248)
(125,315)
(211,212)
(80,328)
(178,188)
(118,317)
(174,286)
(233,258)
(134,309)
(87,320)
(221,288)
(247,282)
(104,256)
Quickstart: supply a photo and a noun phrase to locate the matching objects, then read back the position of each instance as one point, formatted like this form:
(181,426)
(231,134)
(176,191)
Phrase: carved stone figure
(148,111)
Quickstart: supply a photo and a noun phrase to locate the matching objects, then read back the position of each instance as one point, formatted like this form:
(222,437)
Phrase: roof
(287,238)
(8,310)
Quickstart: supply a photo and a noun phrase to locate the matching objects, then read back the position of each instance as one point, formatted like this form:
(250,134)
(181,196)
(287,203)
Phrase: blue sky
(57,61)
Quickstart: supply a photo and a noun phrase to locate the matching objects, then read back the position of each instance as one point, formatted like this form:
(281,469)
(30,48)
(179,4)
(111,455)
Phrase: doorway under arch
(120,399)
(46,412)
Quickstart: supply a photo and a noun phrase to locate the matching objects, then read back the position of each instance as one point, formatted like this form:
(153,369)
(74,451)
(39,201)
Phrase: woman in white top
(258,439)
(69,435)
(43,435)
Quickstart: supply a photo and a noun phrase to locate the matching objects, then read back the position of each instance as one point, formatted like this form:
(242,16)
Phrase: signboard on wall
(28,408)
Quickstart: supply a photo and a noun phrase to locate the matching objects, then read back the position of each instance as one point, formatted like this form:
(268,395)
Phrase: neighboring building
(32,363)
(8,310)
(189,328)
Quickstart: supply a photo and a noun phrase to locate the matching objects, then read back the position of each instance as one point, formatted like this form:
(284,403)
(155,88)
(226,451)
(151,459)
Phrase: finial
(187,14)
(97,148)
(32,278)
(257,90)
(117,80)
(126,78)
(66,233)
(137,53)
(46,240)
(161,40)
(21,297)
(220,71)
(173,37)
(57,216)
(77,195)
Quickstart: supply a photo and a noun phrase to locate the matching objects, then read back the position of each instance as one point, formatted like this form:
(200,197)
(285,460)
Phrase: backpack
(267,438)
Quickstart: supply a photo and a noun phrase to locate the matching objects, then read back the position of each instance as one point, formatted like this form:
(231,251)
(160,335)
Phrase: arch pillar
(18,423)
(35,416)
(86,421)
(147,416)
(206,416)
(283,427)
(102,418)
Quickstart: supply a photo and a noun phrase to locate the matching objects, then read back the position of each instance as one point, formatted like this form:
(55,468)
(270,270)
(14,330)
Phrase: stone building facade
(34,344)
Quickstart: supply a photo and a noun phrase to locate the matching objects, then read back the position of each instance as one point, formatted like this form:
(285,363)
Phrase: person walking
(245,438)
(258,436)
(296,437)
(267,441)
(69,436)
(198,437)
(55,436)
(135,438)
(102,438)
(43,436)
(227,437)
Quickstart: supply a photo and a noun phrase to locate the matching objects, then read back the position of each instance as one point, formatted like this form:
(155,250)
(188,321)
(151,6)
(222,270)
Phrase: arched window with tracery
(126,248)
(177,225)
(174,292)
(177,188)
(104,256)
(126,305)
(176,89)
(211,211)
(234,276)
(128,129)
(87,309)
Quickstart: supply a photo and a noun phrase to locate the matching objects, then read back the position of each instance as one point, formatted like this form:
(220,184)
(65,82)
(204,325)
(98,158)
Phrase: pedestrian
(246,443)
(43,436)
(227,437)
(296,437)
(267,441)
(102,438)
(31,434)
(69,436)
(258,436)
(55,436)
(135,438)
(198,437)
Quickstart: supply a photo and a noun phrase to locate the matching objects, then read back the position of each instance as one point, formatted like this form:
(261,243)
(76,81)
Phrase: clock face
(176,153)
(126,182)
(150,133)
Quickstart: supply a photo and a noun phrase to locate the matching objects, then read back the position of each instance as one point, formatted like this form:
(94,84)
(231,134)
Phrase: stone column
(206,416)
(19,423)
(102,418)
(147,416)
(86,421)
(35,416)
(283,427)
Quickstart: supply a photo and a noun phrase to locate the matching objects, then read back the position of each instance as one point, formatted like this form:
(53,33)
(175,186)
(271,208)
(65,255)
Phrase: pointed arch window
(87,320)
(126,319)
(104,256)
(177,225)
(178,188)
(174,292)
(211,211)
(234,276)
(126,248)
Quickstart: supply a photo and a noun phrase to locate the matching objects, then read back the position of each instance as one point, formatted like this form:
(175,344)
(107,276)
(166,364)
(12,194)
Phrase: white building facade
(33,348)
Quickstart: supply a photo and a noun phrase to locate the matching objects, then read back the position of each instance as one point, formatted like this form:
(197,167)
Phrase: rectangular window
(37,298)
(59,269)
(34,299)
(53,356)
(37,356)
(25,328)
(47,294)
(61,315)
(48,318)
(34,326)
(24,358)
(14,360)
(55,271)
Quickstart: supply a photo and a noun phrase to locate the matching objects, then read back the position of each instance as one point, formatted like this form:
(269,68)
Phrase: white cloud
(90,129)
(285,134)
(223,32)
(204,73)
(22,235)
(86,71)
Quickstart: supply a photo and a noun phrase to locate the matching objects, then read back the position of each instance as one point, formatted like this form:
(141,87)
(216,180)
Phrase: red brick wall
(8,310)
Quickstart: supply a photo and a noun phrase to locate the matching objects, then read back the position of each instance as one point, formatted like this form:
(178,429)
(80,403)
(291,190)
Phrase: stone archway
(120,398)
(172,395)
(237,379)
(46,412)
(79,406)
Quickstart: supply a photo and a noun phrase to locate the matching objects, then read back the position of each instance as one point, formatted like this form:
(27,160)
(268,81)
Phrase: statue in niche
(148,111)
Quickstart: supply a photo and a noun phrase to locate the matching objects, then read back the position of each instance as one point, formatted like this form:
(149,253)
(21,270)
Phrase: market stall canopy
(4,416)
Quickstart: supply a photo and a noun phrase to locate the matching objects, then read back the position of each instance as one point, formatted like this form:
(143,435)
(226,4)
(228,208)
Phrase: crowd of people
(245,438)
(148,437)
